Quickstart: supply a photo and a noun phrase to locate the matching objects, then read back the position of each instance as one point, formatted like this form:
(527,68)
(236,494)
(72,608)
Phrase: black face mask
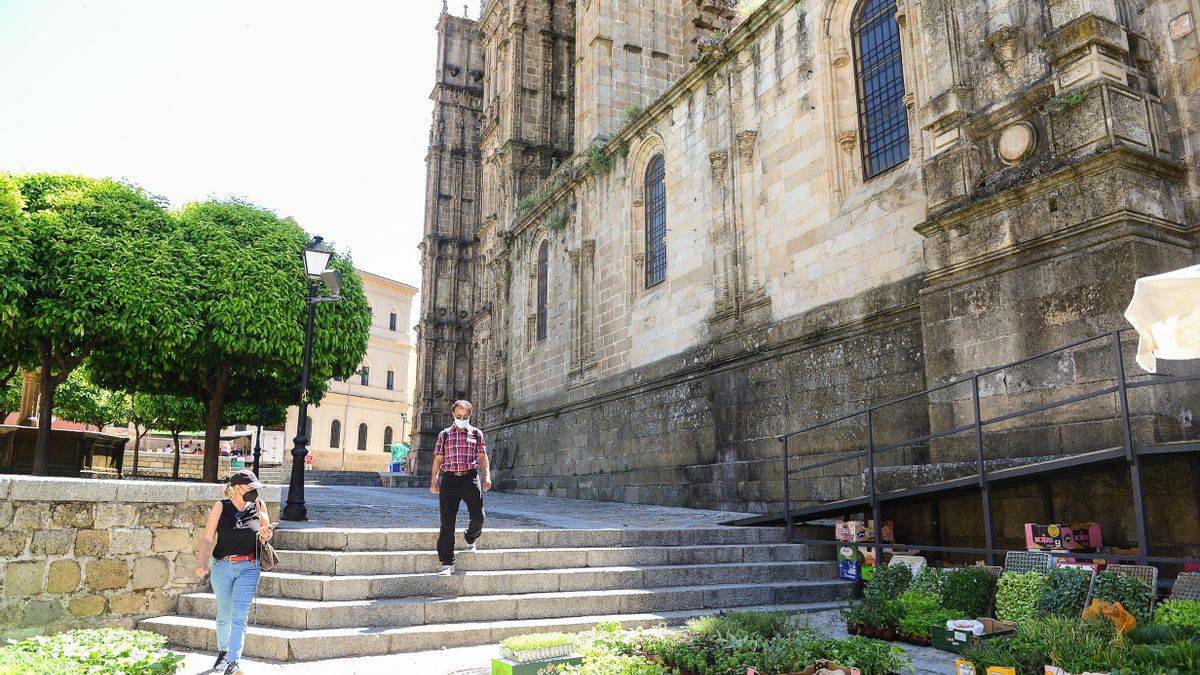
(250,497)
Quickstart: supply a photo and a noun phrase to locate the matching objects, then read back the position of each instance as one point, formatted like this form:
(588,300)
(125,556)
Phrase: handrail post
(787,495)
(875,513)
(985,487)
(1135,462)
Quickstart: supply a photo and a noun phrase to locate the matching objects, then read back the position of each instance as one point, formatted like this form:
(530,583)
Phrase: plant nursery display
(1178,613)
(968,590)
(1067,592)
(1133,595)
(1018,596)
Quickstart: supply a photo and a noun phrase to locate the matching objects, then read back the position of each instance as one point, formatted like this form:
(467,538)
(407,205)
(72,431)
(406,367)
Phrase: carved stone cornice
(746,140)
(719,160)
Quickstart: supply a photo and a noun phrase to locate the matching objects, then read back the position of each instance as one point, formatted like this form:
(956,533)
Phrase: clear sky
(317,109)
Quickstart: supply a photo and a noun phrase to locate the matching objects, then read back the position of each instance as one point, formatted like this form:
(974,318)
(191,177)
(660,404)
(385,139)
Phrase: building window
(392,321)
(656,221)
(543,267)
(362,436)
(364,375)
(391,379)
(335,434)
(879,74)
(387,438)
(337,378)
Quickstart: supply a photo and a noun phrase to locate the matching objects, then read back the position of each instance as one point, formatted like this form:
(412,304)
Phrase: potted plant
(537,647)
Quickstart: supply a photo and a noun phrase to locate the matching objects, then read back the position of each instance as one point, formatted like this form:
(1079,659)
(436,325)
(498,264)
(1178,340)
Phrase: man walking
(460,473)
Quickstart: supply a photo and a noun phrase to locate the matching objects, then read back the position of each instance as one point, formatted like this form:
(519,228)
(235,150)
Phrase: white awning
(1165,311)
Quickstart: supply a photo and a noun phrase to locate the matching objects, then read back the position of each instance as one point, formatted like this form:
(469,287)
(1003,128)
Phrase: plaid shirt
(459,448)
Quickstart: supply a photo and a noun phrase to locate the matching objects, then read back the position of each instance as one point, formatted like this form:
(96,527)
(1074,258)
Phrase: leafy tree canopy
(79,400)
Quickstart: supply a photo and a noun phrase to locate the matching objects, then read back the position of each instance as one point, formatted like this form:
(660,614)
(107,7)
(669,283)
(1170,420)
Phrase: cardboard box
(958,640)
(858,531)
(849,563)
(1063,537)
(510,667)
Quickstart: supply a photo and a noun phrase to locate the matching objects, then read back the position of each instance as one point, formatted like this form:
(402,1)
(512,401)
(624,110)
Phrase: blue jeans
(234,585)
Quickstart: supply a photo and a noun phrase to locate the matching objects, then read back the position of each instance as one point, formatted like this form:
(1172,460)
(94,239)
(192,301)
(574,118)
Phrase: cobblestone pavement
(352,506)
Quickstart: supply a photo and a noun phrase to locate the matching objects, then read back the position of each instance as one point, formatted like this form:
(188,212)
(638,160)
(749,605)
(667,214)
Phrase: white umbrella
(1165,311)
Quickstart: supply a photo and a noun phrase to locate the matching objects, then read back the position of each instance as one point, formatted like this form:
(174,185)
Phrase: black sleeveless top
(234,533)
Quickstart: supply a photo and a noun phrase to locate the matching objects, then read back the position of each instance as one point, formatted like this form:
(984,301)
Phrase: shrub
(872,657)
(930,580)
(921,609)
(1178,613)
(967,590)
(1133,595)
(99,651)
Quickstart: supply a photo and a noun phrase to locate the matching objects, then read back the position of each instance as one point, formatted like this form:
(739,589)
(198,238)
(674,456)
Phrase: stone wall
(162,464)
(80,553)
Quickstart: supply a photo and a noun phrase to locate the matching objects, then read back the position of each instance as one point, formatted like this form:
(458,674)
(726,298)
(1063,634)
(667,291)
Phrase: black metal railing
(1129,452)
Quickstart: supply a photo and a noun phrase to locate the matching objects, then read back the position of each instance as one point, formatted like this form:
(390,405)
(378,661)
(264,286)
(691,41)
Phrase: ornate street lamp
(316,268)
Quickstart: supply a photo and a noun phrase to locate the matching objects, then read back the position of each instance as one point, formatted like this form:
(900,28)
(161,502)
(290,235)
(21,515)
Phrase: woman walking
(238,523)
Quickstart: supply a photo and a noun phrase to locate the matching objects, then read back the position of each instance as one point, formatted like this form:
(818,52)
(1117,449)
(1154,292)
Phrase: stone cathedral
(661,233)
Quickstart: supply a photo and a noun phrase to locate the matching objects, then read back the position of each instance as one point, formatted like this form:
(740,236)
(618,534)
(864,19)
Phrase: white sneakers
(471,548)
(447,570)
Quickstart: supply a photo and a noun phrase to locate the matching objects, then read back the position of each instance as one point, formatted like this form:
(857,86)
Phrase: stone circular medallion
(1016,142)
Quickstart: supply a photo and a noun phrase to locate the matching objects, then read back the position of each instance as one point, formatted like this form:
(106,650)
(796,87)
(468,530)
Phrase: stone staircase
(338,477)
(339,593)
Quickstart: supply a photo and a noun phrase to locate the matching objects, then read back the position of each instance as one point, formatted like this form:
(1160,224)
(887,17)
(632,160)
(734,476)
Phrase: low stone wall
(80,553)
(151,463)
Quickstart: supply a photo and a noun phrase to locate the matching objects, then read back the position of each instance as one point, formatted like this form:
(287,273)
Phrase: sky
(315,109)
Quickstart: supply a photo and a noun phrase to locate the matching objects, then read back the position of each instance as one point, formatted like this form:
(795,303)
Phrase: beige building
(661,234)
(360,416)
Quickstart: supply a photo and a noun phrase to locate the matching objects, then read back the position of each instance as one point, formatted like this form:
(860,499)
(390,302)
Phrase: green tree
(15,250)
(246,316)
(98,276)
(173,414)
(10,397)
(79,400)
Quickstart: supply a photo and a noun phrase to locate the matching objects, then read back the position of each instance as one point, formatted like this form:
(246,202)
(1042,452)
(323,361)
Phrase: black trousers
(457,489)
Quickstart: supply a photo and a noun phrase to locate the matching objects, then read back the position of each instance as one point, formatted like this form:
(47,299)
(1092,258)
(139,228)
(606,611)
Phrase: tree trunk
(41,450)
(175,468)
(137,446)
(212,423)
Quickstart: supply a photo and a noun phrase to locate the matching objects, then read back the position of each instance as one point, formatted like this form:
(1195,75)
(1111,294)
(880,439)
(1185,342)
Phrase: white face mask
(462,424)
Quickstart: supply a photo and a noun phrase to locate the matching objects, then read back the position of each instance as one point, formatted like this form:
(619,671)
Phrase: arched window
(543,268)
(335,434)
(387,438)
(391,379)
(656,222)
(362,436)
(879,73)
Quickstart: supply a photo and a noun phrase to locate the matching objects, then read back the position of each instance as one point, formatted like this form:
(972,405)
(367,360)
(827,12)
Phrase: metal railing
(1131,453)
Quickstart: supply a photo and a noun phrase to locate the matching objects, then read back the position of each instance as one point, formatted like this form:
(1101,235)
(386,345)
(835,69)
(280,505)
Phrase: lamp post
(403,426)
(258,441)
(316,263)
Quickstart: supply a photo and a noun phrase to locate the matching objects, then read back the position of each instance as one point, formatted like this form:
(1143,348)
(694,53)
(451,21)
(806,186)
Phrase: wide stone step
(333,539)
(310,645)
(417,562)
(317,615)
(373,587)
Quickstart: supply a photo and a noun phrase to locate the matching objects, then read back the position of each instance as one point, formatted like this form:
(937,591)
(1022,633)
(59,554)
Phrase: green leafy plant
(596,161)
(1178,613)
(1017,596)
(872,657)
(1057,104)
(919,610)
(610,650)
(1133,595)
(1161,634)
(967,590)
(1177,658)
(1067,592)
(557,220)
(930,580)
(99,651)
(889,582)
(1077,647)
(766,624)
(520,643)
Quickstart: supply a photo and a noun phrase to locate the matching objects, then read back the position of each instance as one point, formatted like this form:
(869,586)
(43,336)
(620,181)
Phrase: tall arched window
(543,267)
(387,438)
(879,73)
(656,221)
(335,434)
(362,436)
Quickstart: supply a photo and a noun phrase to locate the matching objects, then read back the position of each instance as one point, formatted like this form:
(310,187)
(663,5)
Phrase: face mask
(250,497)
(462,424)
